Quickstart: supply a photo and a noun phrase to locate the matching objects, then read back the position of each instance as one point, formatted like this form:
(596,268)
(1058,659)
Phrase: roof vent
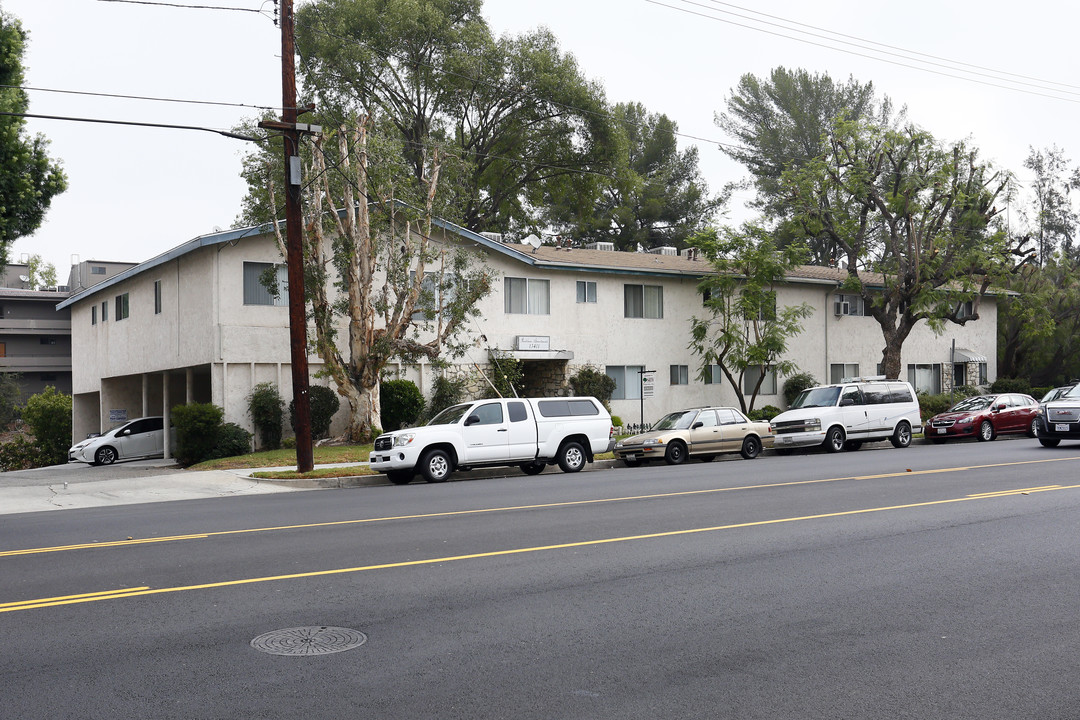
(665,250)
(607,246)
(692,253)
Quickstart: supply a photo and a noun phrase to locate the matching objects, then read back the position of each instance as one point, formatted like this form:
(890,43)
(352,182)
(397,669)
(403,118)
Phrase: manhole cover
(309,641)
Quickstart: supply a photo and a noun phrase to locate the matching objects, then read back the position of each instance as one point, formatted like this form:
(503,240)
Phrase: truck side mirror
(471,420)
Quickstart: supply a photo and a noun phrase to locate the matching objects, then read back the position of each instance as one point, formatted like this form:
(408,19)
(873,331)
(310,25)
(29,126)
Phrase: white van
(845,415)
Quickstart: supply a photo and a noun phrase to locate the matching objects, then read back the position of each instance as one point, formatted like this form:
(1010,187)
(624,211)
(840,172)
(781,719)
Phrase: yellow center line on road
(137,592)
(516,508)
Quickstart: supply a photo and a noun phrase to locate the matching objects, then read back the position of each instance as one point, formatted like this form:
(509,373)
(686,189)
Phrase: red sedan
(985,417)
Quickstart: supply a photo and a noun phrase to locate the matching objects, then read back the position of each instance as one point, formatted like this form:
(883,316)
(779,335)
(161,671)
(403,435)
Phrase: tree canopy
(29,179)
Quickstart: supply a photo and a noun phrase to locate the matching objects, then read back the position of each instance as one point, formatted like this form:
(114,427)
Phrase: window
(728,417)
(93,314)
(839,371)
(566,408)
(852,396)
(157,297)
(965,310)
(714,375)
(526,296)
(643,301)
(489,414)
(256,277)
(627,381)
(707,418)
(97,270)
(586,291)
(959,374)
(925,377)
(516,410)
(104,311)
(680,375)
(47,340)
(121,306)
(847,305)
(768,386)
(982,373)
(766,310)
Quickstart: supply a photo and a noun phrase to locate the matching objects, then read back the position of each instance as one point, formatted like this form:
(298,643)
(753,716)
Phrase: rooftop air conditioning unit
(665,250)
(606,246)
(497,237)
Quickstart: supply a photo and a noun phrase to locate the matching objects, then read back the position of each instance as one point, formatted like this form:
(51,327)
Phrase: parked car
(701,433)
(138,439)
(530,433)
(845,415)
(1059,419)
(985,417)
(1056,393)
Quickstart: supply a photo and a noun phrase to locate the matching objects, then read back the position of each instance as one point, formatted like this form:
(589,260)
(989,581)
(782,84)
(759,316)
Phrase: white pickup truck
(528,432)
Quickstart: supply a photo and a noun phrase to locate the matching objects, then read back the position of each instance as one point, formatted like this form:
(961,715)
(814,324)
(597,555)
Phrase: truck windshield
(450,415)
(676,420)
(816,397)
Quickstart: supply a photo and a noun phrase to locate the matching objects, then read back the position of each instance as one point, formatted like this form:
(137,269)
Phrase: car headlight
(403,439)
(813,425)
(653,441)
(964,421)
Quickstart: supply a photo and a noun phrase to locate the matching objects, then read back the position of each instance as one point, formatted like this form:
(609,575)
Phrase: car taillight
(611,433)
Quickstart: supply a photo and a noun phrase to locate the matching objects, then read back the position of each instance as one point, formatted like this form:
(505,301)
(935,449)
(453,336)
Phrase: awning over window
(963,355)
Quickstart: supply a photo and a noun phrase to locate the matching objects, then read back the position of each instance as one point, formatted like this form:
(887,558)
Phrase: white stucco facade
(190,336)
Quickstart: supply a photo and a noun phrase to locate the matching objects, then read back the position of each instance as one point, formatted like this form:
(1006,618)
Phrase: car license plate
(630,456)
(1061,427)
(941,431)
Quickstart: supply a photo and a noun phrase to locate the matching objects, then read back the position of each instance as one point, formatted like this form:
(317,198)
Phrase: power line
(857,54)
(260,11)
(226,133)
(139,97)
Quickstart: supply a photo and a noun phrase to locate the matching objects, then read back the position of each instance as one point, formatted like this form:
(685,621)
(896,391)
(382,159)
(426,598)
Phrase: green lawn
(285,457)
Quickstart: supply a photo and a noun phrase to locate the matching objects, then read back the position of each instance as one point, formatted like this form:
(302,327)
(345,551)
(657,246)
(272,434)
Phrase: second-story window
(266,284)
(526,296)
(157,297)
(643,301)
(121,306)
(586,291)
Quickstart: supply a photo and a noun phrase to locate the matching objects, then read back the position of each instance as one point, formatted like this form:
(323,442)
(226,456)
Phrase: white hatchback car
(142,438)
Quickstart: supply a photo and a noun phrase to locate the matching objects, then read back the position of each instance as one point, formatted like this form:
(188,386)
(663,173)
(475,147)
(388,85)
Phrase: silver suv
(1060,419)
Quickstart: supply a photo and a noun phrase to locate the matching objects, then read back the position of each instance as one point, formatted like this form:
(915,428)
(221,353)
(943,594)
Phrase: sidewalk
(75,485)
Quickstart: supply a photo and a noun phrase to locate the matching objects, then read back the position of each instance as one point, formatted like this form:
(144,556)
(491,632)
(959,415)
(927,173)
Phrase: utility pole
(294,245)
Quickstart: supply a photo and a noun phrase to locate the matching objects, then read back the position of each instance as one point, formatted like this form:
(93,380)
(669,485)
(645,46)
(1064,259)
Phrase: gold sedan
(701,433)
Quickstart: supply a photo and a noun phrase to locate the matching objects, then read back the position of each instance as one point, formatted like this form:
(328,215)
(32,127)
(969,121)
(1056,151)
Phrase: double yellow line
(140,591)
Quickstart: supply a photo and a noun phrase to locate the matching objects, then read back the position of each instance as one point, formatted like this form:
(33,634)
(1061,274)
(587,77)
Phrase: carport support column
(189,382)
(166,416)
(145,395)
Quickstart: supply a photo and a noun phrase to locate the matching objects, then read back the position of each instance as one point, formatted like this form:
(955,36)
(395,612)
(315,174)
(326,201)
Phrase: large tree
(1053,217)
(916,212)
(781,123)
(380,286)
(746,328)
(29,179)
(656,196)
(523,121)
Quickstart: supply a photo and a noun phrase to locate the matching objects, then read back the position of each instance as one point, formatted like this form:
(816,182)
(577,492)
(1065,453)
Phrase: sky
(135,192)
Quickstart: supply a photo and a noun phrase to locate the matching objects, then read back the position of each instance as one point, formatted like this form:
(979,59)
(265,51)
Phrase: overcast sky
(136,192)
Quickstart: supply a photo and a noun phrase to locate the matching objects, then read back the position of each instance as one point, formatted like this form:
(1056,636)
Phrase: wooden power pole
(294,244)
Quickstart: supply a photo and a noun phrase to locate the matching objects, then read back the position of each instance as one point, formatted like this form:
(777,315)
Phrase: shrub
(232,440)
(931,405)
(324,403)
(267,411)
(445,393)
(10,395)
(764,414)
(796,384)
(48,417)
(616,421)
(20,453)
(198,427)
(591,382)
(1011,385)
(400,403)
(507,375)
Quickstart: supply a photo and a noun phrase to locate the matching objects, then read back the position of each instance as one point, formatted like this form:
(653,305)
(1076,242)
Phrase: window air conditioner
(842,308)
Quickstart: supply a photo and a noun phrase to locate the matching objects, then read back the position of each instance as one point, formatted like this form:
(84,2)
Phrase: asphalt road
(931,582)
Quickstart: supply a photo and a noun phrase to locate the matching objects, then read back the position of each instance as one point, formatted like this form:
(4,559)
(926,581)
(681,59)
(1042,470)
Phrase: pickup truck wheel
(676,453)
(751,447)
(571,457)
(532,468)
(400,477)
(834,440)
(1049,442)
(901,437)
(436,466)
